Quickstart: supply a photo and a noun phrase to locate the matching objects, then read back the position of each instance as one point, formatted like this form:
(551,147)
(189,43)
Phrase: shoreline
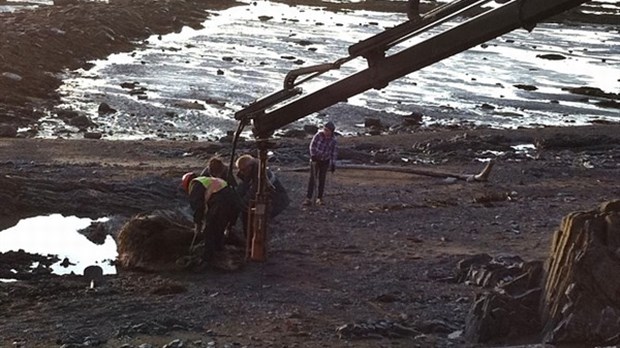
(30,74)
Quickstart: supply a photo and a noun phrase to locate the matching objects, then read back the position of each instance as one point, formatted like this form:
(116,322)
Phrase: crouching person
(215,207)
(247,167)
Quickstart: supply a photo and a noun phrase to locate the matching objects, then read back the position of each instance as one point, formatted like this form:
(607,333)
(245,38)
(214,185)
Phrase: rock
(592,91)
(154,241)
(94,275)
(608,104)
(66,263)
(310,128)
(580,303)
(138,91)
(415,119)
(92,135)
(12,76)
(8,131)
(551,56)
(495,315)
(66,114)
(104,109)
(294,133)
(215,102)
(190,105)
(81,121)
(526,87)
(129,85)
(373,123)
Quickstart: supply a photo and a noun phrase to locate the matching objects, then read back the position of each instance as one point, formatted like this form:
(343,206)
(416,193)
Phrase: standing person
(323,154)
(215,208)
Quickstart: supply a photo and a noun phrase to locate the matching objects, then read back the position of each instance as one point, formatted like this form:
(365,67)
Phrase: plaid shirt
(323,148)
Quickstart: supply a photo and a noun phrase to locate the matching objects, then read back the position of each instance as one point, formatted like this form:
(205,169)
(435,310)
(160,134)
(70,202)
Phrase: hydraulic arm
(382,69)
(273,112)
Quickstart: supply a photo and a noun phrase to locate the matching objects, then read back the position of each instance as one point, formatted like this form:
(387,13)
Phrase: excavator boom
(273,112)
(383,69)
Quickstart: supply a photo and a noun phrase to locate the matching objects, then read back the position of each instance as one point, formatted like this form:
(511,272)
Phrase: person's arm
(314,146)
(197,202)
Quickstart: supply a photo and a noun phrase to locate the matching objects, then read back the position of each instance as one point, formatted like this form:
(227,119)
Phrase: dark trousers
(318,169)
(223,211)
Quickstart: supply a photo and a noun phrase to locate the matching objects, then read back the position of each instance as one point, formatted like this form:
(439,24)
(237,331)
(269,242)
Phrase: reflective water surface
(57,235)
(194,81)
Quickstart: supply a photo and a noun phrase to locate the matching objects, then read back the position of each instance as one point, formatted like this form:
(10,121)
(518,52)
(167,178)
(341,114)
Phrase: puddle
(58,235)
(524,148)
(527,150)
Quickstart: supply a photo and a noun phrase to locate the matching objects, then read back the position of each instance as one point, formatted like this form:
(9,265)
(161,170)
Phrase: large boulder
(155,241)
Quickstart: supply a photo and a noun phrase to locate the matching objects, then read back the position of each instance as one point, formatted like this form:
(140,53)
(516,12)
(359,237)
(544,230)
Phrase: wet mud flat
(38,44)
(381,253)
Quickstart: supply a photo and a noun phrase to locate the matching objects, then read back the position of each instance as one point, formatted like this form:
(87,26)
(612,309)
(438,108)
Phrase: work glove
(332,167)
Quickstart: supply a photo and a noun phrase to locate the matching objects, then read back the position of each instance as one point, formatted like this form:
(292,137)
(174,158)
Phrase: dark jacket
(248,186)
(231,181)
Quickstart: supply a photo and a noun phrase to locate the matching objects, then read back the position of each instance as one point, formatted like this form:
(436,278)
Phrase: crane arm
(486,26)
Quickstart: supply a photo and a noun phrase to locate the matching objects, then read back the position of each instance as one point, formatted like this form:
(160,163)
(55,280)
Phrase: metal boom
(486,26)
(381,70)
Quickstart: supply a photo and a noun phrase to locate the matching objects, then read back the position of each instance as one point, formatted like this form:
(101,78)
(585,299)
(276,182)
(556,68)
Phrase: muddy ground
(384,248)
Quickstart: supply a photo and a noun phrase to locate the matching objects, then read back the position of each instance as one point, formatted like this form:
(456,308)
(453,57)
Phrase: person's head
(216,167)
(329,128)
(244,165)
(187,178)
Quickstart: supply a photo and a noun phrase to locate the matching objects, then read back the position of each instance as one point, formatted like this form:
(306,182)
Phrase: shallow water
(58,235)
(238,58)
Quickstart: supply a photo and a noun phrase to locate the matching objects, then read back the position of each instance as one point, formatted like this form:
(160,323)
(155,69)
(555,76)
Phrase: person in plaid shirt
(322,158)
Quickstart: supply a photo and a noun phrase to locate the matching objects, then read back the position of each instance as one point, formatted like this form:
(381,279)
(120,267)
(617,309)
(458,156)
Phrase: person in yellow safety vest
(215,207)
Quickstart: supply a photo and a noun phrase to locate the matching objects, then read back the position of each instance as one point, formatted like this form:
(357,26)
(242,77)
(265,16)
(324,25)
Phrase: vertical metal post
(258,212)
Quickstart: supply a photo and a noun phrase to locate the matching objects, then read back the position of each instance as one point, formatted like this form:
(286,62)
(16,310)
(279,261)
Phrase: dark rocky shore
(37,45)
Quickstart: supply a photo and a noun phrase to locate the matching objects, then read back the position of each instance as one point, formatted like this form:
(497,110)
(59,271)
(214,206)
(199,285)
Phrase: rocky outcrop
(581,302)
(576,302)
